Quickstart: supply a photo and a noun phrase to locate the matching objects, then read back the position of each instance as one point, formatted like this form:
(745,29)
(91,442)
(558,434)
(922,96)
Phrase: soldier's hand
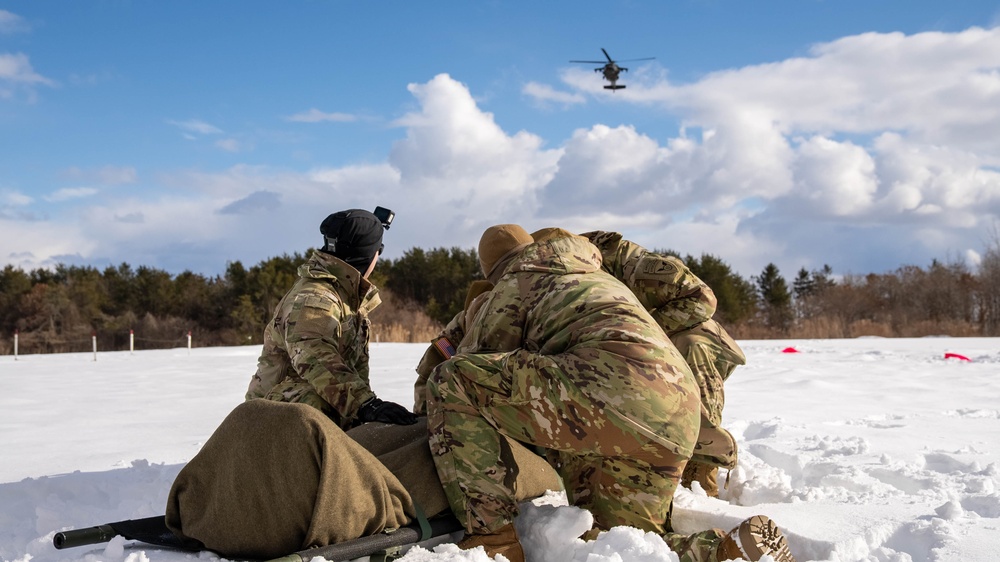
(376,410)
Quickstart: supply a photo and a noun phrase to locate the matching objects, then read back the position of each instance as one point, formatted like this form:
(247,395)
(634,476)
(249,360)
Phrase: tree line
(60,309)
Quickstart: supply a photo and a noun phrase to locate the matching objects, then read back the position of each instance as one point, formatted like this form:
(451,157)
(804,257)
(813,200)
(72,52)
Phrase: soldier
(682,305)
(563,357)
(316,345)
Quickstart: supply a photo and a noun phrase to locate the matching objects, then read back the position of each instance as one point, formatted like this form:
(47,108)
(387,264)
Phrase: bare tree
(989,286)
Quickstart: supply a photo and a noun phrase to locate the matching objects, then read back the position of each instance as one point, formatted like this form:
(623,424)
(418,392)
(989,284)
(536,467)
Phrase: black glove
(376,410)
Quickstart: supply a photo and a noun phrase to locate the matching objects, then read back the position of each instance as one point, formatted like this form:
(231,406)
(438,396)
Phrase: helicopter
(611,69)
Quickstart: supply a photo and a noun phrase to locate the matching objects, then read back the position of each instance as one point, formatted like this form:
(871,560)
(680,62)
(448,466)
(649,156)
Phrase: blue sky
(184,135)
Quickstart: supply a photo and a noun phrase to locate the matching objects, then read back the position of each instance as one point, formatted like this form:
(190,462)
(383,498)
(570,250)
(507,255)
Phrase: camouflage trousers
(713,356)
(618,474)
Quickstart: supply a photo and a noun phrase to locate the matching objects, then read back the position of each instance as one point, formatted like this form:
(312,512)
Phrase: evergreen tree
(804,284)
(775,297)
(14,284)
(247,321)
(437,279)
(121,288)
(154,291)
(735,295)
(271,279)
(823,279)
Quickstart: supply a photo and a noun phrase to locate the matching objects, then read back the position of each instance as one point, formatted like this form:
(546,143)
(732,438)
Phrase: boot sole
(759,536)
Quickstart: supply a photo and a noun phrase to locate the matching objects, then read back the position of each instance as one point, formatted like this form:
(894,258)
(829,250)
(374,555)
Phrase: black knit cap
(354,235)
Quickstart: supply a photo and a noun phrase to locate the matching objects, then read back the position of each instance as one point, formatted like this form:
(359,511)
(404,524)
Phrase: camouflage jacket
(675,297)
(554,300)
(316,344)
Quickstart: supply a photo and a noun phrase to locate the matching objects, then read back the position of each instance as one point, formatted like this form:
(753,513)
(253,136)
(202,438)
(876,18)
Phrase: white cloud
(952,184)
(17,75)
(834,178)
(253,203)
(106,175)
(870,153)
(604,168)
(881,137)
(455,173)
(70,193)
(17,68)
(937,87)
(316,116)
(14,199)
(12,23)
(16,208)
(135,218)
(546,93)
(229,145)
(721,235)
(457,158)
(196,126)
(350,181)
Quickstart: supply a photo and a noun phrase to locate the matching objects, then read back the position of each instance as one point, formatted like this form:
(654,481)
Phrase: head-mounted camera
(384,215)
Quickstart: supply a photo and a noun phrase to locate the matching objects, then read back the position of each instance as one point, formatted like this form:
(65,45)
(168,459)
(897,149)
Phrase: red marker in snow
(789,350)
(956,356)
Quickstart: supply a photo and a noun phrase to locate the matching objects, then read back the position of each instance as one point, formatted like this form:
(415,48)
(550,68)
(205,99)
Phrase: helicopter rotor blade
(589,61)
(607,55)
(631,60)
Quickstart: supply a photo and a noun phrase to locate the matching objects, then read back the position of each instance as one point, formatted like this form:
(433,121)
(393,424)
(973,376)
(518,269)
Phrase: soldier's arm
(499,320)
(453,332)
(313,334)
(268,373)
(675,297)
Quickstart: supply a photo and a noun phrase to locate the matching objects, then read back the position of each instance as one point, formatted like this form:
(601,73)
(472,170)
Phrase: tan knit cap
(551,233)
(497,242)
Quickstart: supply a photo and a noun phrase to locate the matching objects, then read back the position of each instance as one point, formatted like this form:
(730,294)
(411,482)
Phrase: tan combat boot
(705,474)
(503,541)
(754,538)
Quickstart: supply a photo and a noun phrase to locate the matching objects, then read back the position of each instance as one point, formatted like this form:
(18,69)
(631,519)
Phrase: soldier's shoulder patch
(661,266)
(317,301)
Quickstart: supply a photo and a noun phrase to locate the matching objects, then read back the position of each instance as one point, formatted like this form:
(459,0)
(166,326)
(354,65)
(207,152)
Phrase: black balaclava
(354,236)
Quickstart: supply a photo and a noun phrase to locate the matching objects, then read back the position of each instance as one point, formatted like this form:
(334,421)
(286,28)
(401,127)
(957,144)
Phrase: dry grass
(396,320)
(821,328)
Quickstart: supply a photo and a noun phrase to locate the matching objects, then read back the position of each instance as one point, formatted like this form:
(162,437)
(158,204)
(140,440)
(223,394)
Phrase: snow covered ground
(862,450)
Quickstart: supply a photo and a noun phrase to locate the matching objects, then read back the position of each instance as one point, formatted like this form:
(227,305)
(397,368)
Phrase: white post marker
(93,338)
(131,341)
(15,345)
(189,342)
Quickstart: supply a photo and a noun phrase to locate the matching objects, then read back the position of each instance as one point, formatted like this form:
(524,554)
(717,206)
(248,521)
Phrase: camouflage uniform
(683,305)
(712,355)
(454,331)
(561,356)
(316,346)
